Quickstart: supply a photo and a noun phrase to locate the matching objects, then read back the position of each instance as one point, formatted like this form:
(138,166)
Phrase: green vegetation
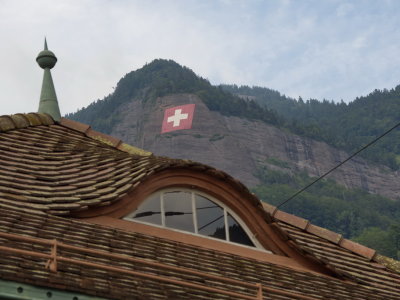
(387,241)
(277,162)
(161,78)
(345,126)
(216,137)
(372,220)
(170,135)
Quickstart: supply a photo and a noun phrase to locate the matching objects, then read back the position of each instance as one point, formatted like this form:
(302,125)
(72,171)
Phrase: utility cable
(334,168)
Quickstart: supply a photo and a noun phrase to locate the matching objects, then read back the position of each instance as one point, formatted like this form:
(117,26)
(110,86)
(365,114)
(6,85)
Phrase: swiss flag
(178,117)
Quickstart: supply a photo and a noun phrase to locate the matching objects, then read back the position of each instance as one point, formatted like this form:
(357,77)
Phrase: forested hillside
(370,219)
(345,126)
(160,78)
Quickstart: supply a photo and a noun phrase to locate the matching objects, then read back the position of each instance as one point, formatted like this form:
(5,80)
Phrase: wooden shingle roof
(49,170)
(147,248)
(356,261)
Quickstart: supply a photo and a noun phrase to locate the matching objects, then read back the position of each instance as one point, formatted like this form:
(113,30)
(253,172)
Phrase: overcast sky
(333,49)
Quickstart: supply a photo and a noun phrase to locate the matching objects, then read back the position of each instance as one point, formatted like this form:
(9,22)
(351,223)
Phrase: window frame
(226,210)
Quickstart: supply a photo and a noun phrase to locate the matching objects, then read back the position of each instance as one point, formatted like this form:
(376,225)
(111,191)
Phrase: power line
(334,168)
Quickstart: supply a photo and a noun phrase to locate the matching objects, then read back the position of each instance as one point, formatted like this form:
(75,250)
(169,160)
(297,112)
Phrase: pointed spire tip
(48,98)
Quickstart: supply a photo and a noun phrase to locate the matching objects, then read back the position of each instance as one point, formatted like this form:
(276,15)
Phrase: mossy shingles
(6,123)
(388,262)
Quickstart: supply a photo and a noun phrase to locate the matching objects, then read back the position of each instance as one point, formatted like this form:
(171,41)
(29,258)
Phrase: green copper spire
(48,98)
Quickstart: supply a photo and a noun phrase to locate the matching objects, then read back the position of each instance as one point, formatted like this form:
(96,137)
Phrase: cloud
(344,9)
(331,49)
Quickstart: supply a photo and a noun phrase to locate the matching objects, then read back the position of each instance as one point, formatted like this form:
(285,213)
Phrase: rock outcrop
(240,146)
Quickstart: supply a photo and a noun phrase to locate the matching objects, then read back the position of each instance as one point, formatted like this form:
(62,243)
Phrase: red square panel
(178,117)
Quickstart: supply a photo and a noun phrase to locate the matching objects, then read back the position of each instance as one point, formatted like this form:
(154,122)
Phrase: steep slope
(241,147)
(345,126)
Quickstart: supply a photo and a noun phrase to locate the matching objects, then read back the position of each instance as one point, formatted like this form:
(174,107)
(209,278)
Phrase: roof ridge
(102,137)
(388,262)
(18,121)
(321,232)
(24,120)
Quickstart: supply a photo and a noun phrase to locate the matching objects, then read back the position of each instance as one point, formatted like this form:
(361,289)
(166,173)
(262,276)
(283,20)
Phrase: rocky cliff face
(240,147)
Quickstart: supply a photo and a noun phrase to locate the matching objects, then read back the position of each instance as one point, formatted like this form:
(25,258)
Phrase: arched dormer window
(199,221)
(194,212)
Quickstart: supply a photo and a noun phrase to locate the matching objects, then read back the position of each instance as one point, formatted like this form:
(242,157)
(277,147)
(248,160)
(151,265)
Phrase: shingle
(74,125)
(34,119)
(356,264)
(6,123)
(162,250)
(20,120)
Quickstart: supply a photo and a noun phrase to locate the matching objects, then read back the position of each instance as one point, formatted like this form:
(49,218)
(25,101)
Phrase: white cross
(177,117)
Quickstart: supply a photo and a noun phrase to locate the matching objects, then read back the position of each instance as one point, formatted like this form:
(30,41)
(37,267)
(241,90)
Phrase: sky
(331,49)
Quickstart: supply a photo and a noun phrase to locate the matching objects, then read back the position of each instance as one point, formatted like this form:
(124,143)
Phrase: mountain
(344,126)
(165,77)
(231,133)
(240,132)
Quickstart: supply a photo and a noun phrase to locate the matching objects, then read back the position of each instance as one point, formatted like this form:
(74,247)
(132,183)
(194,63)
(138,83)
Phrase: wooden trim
(239,201)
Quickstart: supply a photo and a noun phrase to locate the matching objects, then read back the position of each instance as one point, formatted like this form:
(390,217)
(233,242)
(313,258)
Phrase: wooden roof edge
(102,137)
(324,233)
(24,120)
(18,121)
(388,262)
(176,163)
(217,174)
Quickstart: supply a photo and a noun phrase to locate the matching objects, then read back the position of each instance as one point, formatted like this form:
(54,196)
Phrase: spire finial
(46,58)
(48,98)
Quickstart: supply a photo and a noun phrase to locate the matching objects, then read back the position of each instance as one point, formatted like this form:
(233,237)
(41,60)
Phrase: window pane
(178,210)
(237,234)
(210,218)
(149,211)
